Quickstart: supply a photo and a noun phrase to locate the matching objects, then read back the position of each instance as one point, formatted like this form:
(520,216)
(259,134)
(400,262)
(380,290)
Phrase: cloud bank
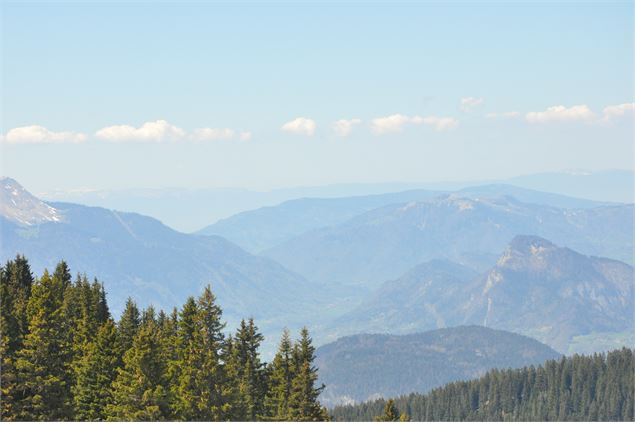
(616,111)
(396,123)
(156,131)
(40,135)
(561,113)
(300,126)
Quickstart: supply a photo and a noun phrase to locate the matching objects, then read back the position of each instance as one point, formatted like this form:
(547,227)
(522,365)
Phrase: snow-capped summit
(18,205)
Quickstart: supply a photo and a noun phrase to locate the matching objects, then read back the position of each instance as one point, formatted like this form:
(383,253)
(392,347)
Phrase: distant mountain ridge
(384,243)
(536,288)
(267,227)
(190,210)
(368,366)
(138,256)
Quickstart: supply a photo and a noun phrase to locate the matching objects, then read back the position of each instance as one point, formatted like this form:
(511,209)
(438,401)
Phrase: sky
(267,95)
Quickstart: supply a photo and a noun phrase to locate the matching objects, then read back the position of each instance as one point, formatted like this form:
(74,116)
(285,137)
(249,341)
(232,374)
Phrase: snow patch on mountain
(19,206)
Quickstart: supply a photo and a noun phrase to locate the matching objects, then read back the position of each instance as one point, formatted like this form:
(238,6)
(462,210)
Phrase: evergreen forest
(64,357)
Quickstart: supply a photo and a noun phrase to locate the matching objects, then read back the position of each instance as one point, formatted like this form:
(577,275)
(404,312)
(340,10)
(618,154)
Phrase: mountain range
(191,209)
(383,243)
(138,256)
(368,366)
(535,288)
(433,261)
(267,227)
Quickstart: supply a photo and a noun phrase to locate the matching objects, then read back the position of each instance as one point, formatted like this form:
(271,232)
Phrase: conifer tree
(139,390)
(95,374)
(42,363)
(303,401)
(16,281)
(211,379)
(183,369)
(247,372)
(391,413)
(282,371)
(127,327)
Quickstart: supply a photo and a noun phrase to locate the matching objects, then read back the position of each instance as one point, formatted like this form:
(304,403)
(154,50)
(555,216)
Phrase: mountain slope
(383,243)
(536,288)
(553,293)
(138,256)
(267,227)
(20,207)
(366,366)
(423,298)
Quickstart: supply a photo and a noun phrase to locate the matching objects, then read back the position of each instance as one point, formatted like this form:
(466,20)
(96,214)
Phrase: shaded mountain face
(536,288)
(266,227)
(367,366)
(138,256)
(384,243)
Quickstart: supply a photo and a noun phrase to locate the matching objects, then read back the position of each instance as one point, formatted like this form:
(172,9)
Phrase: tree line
(65,358)
(597,387)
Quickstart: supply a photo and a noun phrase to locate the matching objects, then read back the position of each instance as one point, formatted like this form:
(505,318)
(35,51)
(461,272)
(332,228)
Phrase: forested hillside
(598,387)
(367,366)
(65,358)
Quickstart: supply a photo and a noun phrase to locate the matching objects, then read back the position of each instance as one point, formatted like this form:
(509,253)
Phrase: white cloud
(392,123)
(503,115)
(396,123)
(441,123)
(301,126)
(561,114)
(212,134)
(469,103)
(615,111)
(344,127)
(157,131)
(245,136)
(40,135)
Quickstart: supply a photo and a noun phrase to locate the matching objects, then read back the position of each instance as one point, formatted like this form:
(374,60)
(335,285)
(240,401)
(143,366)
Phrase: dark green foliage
(43,363)
(95,374)
(282,370)
(247,373)
(303,401)
(598,387)
(64,358)
(16,281)
(128,326)
(140,389)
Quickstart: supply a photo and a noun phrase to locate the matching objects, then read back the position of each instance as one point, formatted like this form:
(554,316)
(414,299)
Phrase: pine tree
(282,371)
(127,327)
(211,379)
(139,390)
(42,363)
(185,366)
(303,401)
(95,374)
(16,281)
(391,413)
(247,371)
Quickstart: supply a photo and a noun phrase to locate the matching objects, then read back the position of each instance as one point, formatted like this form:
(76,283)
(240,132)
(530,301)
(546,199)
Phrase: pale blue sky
(252,67)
